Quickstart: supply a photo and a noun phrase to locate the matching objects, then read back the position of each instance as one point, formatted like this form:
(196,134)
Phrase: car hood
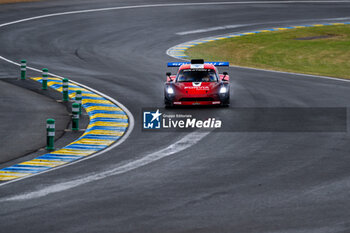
(197,87)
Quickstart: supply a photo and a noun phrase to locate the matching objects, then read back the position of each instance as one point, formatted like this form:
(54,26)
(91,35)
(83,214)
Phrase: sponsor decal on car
(197,87)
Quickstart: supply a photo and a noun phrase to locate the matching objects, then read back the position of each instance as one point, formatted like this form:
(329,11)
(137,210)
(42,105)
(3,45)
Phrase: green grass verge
(284,51)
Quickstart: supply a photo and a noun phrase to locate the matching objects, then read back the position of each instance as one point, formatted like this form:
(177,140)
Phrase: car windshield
(190,75)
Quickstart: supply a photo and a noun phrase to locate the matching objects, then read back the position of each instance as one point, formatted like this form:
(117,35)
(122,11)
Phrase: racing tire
(167,104)
(226,102)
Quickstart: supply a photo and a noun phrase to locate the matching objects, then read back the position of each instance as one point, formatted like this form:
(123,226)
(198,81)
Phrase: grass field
(315,50)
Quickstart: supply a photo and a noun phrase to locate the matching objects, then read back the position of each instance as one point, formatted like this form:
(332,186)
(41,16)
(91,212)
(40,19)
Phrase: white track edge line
(166,5)
(120,168)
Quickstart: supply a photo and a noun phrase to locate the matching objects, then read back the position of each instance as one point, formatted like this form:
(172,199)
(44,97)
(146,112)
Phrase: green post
(23,69)
(45,75)
(50,129)
(65,84)
(78,98)
(75,116)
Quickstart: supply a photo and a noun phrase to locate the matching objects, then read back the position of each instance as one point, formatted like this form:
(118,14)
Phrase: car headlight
(170,90)
(223,90)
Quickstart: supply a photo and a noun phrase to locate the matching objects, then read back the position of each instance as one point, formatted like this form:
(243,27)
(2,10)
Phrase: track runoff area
(179,51)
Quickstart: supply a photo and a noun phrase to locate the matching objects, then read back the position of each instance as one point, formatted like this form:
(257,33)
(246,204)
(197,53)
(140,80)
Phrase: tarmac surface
(23,119)
(224,182)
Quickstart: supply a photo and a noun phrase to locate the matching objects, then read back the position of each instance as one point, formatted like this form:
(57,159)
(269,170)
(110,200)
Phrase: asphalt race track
(23,123)
(225,182)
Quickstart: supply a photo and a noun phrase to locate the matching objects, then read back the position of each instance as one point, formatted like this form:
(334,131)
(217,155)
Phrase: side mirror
(224,73)
(168,74)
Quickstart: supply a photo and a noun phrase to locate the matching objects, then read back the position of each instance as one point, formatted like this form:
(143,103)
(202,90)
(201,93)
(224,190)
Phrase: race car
(197,83)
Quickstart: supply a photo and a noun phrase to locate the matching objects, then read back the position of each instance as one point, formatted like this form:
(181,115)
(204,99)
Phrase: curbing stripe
(99,105)
(115,116)
(21,170)
(105,108)
(107,119)
(102,137)
(59,158)
(86,147)
(114,124)
(93,112)
(105,132)
(4,174)
(108,122)
(109,128)
(96,141)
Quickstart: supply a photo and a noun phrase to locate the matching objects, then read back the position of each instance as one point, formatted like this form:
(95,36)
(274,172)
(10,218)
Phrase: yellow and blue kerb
(178,51)
(107,124)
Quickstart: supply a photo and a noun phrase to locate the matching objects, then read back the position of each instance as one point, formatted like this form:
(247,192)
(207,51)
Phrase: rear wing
(217,63)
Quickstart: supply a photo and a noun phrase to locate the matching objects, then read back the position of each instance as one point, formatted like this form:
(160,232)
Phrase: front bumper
(192,100)
(196,102)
